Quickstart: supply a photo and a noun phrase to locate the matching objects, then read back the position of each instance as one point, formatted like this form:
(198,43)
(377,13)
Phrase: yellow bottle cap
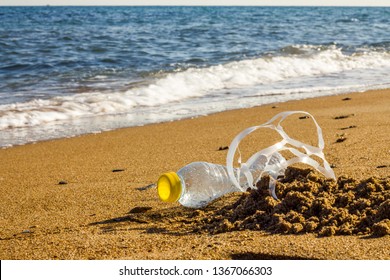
(169,187)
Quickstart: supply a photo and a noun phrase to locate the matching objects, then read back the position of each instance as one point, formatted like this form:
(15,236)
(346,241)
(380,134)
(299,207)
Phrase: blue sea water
(66,71)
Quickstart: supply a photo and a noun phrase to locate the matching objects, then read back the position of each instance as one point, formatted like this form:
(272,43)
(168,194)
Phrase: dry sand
(79,198)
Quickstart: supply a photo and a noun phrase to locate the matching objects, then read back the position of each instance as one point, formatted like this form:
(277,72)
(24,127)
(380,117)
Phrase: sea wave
(292,62)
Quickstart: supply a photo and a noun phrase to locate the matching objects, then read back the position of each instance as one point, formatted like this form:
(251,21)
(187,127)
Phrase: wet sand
(80,198)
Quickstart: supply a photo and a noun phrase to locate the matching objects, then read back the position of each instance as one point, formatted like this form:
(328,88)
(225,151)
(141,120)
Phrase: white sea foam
(263,73)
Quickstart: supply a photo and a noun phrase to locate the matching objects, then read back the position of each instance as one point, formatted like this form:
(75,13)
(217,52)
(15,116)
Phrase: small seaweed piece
(118,170)
(344,116)
(348,127)
(341,139)
(144,188)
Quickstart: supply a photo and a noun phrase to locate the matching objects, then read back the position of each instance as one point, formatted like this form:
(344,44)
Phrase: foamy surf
(305,70)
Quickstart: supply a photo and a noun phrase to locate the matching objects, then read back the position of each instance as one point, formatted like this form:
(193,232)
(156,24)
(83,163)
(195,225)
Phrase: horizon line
(195,5)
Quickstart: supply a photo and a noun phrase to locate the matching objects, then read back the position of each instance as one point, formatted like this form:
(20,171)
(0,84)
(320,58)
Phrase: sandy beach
(82,198)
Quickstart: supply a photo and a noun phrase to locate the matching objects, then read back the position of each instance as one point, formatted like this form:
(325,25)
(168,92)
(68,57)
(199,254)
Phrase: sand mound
(309,203)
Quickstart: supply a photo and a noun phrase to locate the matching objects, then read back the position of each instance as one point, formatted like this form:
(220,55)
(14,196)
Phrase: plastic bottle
(198,183)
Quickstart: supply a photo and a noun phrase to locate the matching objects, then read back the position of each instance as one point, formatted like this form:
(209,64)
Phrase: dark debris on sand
(308,203)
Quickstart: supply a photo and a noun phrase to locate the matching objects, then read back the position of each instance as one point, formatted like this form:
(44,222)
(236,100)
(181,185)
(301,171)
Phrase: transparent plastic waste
(197,184)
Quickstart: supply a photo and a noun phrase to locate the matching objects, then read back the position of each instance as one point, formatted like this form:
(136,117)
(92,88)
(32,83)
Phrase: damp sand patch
(308,203)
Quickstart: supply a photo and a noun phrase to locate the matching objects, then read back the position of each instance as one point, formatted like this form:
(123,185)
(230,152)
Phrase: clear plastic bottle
(198,183)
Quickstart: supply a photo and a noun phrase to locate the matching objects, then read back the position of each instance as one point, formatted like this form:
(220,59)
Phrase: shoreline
(98,131)
(70,198)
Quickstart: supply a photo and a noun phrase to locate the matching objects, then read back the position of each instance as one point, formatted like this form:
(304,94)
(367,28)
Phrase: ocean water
(66,71)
